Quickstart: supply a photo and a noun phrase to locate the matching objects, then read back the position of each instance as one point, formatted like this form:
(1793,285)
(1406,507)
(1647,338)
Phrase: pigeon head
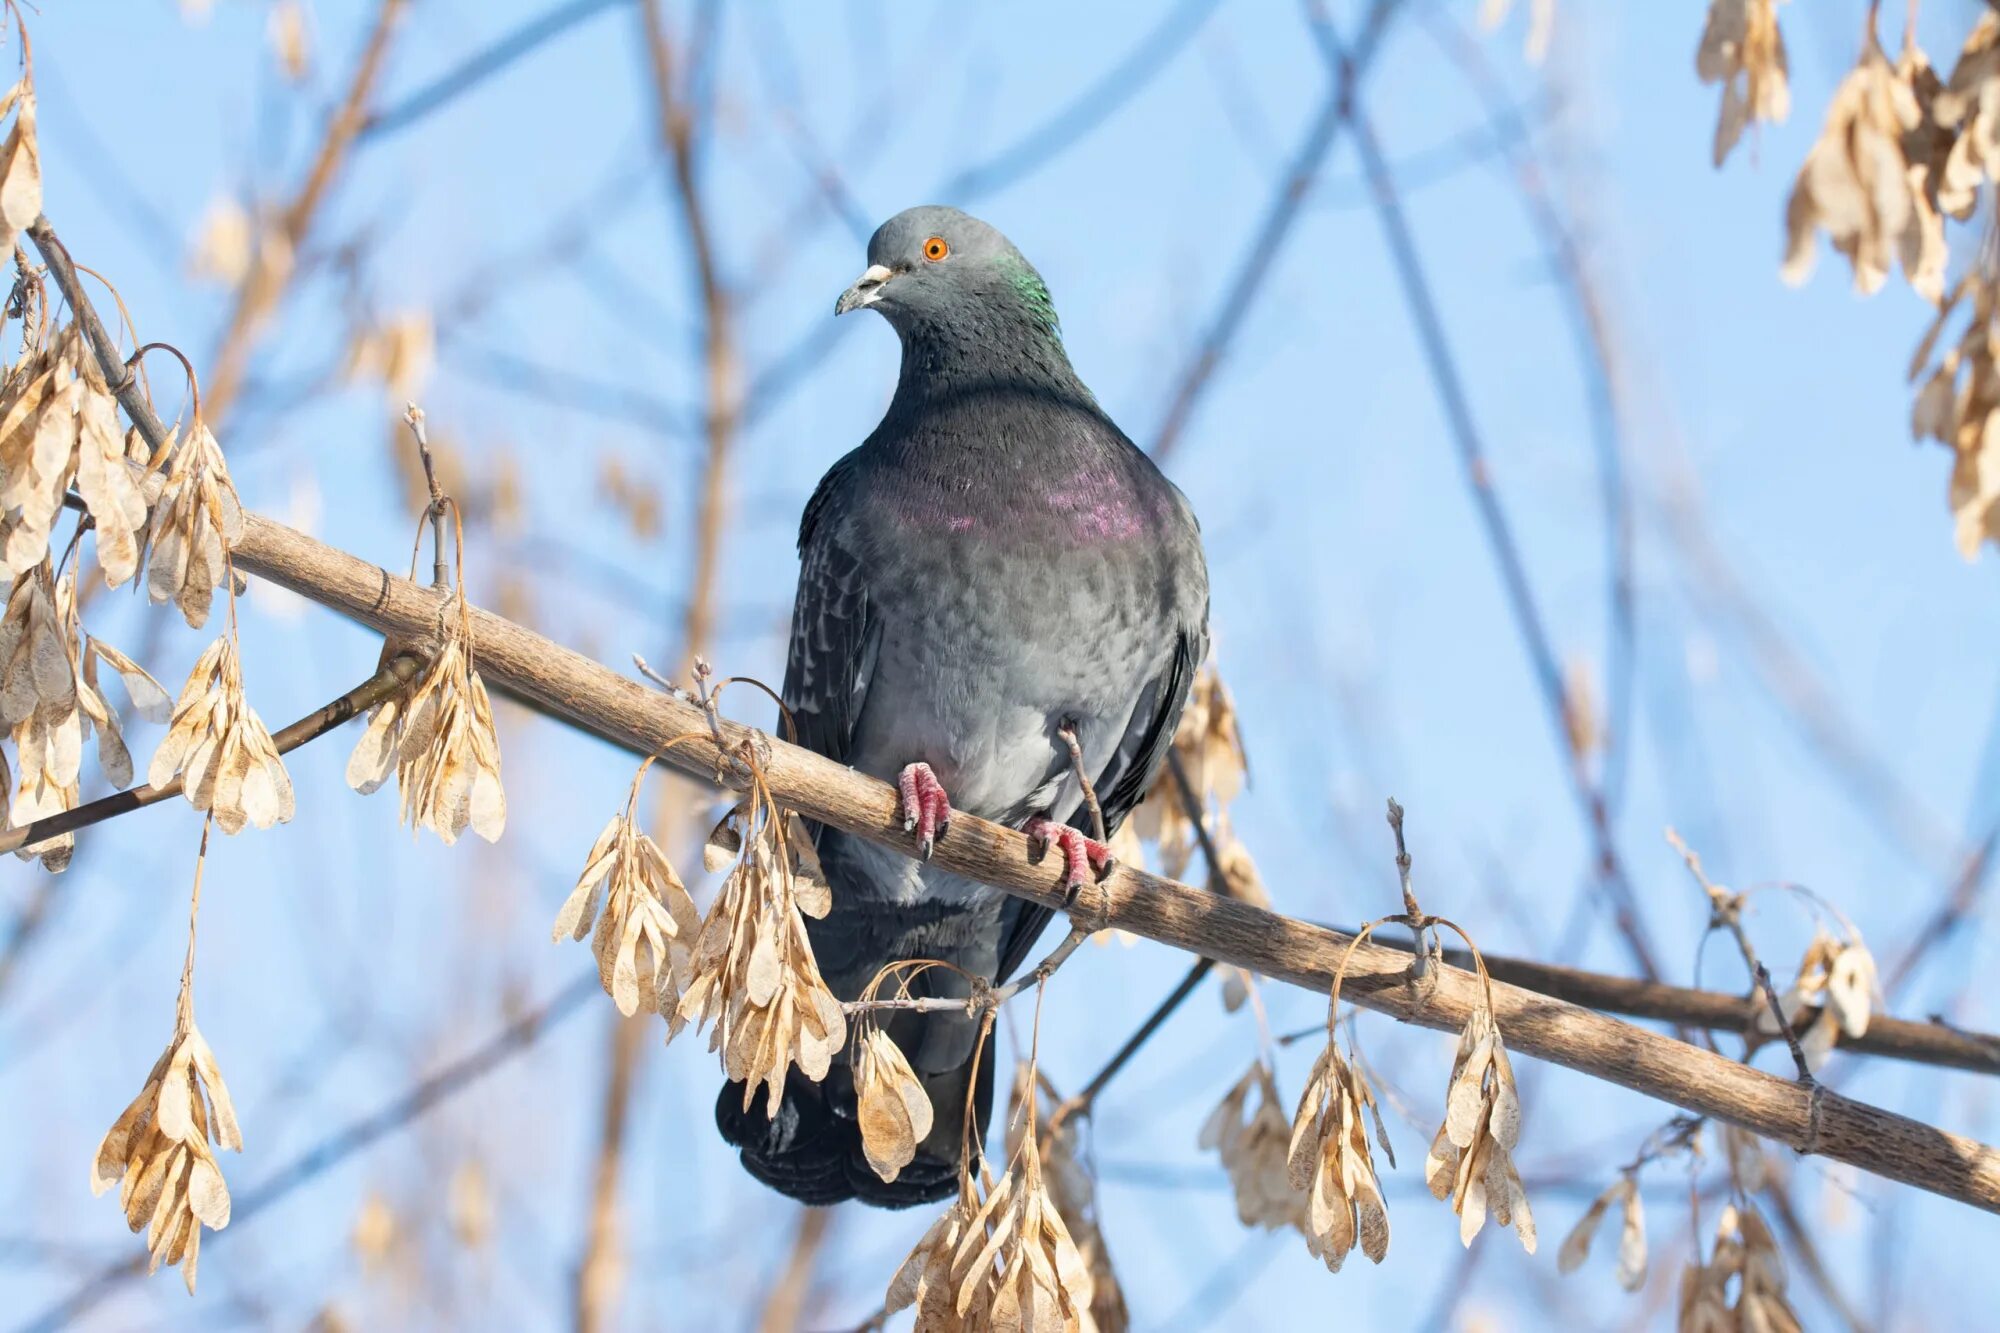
(935,269)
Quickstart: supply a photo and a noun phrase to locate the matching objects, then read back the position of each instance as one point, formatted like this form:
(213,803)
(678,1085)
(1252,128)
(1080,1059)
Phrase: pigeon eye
(935,249)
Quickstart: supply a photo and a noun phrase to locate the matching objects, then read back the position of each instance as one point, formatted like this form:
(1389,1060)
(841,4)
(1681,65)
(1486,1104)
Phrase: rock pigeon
(997,562)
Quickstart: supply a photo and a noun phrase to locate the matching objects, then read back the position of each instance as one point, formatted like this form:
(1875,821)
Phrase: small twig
(985,997)
(704,695)
(1725,911)
(1931,1042)
(413,416)
(1427,948)
(1068,733)
(391,676)
(1777,1008)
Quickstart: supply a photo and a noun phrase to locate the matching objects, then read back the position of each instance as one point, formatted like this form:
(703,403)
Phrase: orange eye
(935,249)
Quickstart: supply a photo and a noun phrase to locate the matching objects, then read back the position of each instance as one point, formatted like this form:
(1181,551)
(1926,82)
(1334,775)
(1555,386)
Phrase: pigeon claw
(925,808)
(1080,854)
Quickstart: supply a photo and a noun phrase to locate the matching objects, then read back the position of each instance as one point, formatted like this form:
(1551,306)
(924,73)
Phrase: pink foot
(925,808)
(1079,853)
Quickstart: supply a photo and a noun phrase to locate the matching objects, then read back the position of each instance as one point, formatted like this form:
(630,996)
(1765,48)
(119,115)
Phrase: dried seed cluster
(1330,1161)
(1624,1192)
(438,738)
(1835,988)
(753,974)
(894,1110)
(397,353)
(1861,184)
(196,523)
(646,931)
(159,1148)
(49,697)
(1746,1255)
(58,427)
(1958,403)
(1255,1153)
(1742,49)
(219,748)
(1072,1186)
(1209,746)
(1004,1262)
(1471,1158)
(20,166)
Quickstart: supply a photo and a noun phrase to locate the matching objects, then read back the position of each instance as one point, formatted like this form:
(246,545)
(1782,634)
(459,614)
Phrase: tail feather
(811,1149)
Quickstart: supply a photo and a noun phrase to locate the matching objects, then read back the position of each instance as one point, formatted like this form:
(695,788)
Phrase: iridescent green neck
(1034,294)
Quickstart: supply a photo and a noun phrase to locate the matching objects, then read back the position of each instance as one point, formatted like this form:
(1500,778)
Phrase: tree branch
(265,284)
(566,685)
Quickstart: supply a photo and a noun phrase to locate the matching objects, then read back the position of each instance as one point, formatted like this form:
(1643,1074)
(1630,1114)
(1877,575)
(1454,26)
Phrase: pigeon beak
(867,290)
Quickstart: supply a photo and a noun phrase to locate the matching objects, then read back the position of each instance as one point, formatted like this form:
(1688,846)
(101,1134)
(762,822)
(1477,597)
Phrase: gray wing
(835,635)
(1125,779)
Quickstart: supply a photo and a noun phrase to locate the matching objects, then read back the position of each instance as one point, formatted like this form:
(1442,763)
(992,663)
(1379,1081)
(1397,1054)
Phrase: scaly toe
(925,807)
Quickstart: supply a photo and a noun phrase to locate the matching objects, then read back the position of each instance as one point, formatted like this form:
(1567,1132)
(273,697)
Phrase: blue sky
(1357,613)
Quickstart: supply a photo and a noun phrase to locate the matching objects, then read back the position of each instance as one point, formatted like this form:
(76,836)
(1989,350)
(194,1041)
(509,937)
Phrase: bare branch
(1269,239)
(478,68)
(1506,552)
(264,285)
(567,685)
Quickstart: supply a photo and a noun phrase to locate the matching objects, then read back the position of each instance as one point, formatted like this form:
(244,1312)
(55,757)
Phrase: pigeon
(996,565)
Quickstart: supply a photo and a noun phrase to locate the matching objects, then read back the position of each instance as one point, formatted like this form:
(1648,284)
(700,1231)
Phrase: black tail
(811,1150)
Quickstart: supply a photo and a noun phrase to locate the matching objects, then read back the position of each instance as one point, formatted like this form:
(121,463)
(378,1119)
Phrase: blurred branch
(1944,922)
(266,283)
(1473,458)
(1872,785)
(340,1145)
(1597,363)
(1805,1249)
(1269,239)
(478,68)
(679,126)
(607,398)
(1115,88)
(785,1304)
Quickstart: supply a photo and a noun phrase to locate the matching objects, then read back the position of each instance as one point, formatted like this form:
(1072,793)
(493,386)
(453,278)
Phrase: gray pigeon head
(935,267)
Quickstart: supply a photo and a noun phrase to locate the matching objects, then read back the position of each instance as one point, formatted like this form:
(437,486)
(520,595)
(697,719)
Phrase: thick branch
(565,684)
